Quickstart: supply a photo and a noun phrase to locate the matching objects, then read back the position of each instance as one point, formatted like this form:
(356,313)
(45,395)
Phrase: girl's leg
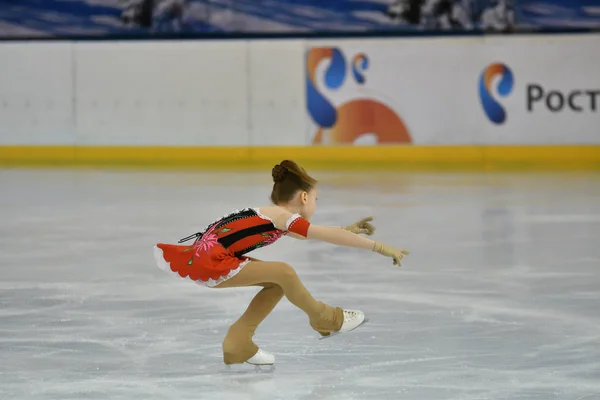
(238,345)
(277,278)
(323,318)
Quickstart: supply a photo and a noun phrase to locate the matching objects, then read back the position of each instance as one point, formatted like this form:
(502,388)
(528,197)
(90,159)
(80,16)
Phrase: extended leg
(323,318)
(238,345)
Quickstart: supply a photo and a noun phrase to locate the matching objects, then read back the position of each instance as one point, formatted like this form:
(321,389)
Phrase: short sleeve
(298,225)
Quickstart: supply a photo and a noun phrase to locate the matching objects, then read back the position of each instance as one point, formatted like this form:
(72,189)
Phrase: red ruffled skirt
(208,265)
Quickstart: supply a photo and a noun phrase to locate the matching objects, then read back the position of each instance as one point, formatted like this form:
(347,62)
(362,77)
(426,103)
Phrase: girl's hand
(362,226)
(389,251)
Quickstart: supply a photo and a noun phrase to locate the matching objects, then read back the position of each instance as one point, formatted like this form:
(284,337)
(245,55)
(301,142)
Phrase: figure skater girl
(217,259)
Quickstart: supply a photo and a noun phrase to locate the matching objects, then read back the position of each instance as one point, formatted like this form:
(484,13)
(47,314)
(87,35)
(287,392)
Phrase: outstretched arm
(363,226)
(297,226)
(341,237)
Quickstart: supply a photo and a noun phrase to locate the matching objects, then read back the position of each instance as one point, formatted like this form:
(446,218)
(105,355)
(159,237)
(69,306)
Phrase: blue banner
(106,18)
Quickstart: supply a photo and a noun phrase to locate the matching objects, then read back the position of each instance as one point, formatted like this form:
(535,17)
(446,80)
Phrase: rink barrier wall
(248,103)
(321,157)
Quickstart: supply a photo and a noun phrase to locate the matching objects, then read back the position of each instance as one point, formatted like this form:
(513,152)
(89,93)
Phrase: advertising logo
(556,101)
(359,116)
(492,108)
(539,97)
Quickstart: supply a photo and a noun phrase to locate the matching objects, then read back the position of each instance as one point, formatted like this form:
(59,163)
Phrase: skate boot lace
(349,315)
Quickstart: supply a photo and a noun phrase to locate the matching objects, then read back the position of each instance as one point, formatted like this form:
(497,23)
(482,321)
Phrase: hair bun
(279,172)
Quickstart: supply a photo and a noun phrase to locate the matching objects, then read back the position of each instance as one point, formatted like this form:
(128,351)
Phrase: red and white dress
(217,254)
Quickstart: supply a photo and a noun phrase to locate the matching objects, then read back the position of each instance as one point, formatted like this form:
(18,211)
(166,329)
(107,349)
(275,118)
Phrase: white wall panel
(277,101)
(36,95)
(211,93)
(162,93)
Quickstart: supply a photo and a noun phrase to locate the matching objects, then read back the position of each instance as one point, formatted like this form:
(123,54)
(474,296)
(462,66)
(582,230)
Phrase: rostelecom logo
(492,108)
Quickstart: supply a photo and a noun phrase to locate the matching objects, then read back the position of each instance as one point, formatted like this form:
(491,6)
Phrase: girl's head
(293,188)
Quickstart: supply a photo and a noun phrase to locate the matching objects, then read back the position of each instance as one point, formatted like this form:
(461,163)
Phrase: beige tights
(278,280)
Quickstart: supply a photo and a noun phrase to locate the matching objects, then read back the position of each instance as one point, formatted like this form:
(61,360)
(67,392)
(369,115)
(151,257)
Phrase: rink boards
(466,101)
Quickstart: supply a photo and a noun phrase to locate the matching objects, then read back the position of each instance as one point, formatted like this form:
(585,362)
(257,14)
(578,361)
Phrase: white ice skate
(262,361)
(352,320)
(262,358)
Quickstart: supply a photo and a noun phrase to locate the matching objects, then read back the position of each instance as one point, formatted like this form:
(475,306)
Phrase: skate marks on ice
(499,304)
(235,369)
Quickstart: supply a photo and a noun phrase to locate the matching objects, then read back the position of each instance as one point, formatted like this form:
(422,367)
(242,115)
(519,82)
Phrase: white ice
(499,299)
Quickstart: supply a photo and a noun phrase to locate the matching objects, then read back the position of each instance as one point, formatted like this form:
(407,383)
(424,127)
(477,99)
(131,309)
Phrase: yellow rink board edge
(560,157)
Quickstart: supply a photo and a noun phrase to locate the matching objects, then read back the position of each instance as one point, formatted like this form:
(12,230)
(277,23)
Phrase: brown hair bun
(289,178)
(279,172)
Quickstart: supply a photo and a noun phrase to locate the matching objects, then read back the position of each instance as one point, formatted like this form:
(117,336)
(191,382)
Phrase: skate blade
(248,368)
(337,333)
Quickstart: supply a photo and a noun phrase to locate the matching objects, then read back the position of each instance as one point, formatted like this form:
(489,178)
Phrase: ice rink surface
(500,298)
